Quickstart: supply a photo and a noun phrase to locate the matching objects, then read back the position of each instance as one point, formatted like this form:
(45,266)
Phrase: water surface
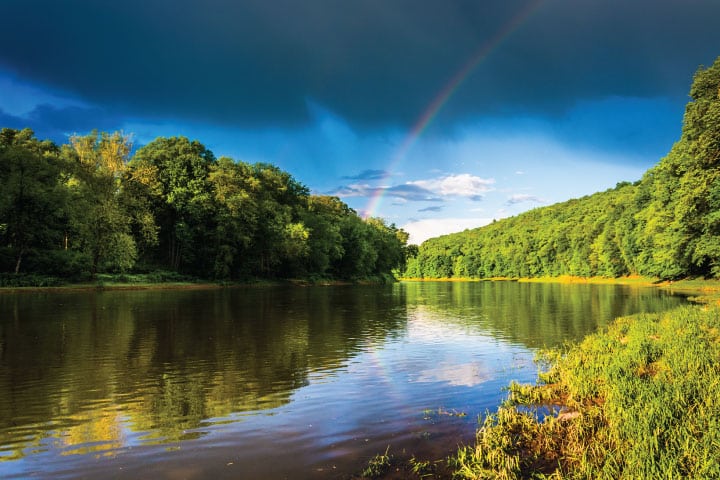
(280,382)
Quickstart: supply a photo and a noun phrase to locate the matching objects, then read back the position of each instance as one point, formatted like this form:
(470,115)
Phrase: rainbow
(444,95)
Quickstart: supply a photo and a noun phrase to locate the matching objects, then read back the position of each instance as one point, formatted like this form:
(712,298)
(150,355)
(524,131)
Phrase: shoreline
(698,289)
(688,286)
(617,402)
(200,285)
(590,391)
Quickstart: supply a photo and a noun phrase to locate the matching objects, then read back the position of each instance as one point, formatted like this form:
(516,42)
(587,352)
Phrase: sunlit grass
(627,280)
(640,400)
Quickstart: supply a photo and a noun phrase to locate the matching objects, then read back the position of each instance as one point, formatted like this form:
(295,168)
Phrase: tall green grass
(640,400)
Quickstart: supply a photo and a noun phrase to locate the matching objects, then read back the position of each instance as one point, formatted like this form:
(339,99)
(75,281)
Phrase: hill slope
(665,225)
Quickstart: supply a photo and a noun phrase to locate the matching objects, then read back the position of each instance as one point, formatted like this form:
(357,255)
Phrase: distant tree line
(89,206)
(666,225)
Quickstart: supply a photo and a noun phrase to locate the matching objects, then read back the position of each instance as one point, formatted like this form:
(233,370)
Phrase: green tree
(279,244)
(33,202)
(323,219)
(236,216)
(388,242)
(699,190)
(101,221)
(359,257)
(175,175)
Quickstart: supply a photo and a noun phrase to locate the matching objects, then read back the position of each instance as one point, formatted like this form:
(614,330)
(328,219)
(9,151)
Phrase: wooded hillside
(665,225)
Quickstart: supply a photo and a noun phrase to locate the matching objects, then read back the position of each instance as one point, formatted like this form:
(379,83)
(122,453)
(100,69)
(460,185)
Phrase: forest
(665,225)
(172,208)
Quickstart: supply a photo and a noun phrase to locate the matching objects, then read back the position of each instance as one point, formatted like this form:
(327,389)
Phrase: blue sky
(450,113)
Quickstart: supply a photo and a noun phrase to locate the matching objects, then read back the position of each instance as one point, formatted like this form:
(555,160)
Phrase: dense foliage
(665,225)
(90,206)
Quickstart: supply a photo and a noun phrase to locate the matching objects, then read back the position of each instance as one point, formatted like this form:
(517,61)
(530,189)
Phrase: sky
(436,115)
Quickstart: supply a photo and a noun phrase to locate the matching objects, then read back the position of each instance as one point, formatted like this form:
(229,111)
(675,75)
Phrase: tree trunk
(19,260)
(94,267)
(174,254)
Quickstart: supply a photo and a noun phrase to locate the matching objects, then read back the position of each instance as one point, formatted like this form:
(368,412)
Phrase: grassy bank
(159,280)
(640,400)
(629,280)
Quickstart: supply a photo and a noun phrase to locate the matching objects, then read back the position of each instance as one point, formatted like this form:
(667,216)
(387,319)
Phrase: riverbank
(698,289)
(629,280)
(639,400)
(156,281)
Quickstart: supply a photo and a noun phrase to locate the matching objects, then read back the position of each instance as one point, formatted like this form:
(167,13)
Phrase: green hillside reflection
(534,315)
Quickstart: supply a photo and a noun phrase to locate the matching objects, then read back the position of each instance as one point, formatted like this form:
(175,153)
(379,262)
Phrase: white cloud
(463,185)
(421,230)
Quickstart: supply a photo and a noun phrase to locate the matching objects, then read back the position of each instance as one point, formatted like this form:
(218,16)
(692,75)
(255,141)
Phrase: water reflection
(535,314)
(88,368)
(465,375)
(273,380)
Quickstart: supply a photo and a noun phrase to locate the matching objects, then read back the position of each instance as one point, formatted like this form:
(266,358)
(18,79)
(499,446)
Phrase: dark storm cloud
(72,119)
(57,123)
(11,121)
(373,62)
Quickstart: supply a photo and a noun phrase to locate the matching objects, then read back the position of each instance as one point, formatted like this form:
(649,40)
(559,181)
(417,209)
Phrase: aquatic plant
(378,465)
(421,468)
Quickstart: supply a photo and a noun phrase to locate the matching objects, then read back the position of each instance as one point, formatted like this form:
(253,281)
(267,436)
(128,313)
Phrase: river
(272,382)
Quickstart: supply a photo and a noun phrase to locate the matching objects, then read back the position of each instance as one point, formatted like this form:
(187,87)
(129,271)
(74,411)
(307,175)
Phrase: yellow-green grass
(639,400)
(629,280)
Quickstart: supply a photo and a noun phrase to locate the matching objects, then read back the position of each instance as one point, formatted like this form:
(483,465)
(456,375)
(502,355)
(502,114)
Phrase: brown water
(271,383)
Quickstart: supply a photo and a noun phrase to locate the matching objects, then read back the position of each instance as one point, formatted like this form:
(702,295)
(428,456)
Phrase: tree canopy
(92,206)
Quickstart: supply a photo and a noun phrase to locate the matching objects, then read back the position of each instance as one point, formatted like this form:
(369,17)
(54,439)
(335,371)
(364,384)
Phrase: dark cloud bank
(257,63)
(57,123)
